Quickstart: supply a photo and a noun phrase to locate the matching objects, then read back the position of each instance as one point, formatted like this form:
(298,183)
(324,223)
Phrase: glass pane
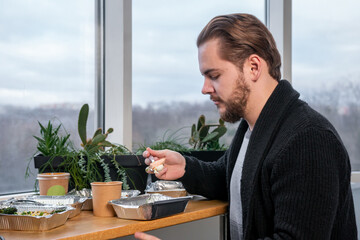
(166,78)
(326,51)
(46,73)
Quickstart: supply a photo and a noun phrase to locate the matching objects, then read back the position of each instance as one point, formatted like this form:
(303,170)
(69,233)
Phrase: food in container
(168,188)
(33,216)
(149,206)
(74,201)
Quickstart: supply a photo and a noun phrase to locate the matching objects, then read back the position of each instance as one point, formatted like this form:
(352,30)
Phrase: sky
(47,47)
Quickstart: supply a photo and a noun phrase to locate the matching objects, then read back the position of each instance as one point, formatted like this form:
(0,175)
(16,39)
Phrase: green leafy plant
(201,137)
(86,164)
(50,143)
(170,141)
(98,141)
(94,150)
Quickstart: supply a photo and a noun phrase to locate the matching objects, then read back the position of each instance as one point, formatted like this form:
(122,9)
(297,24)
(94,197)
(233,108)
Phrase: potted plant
(98,160)
(203,142)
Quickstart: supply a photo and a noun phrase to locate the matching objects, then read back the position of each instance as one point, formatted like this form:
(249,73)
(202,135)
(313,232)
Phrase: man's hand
(174,164)
(144,236)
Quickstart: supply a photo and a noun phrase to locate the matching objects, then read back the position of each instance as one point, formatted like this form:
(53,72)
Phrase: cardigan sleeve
(309,183)
(206,178)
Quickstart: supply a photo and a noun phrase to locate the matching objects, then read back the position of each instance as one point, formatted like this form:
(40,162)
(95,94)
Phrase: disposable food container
(149,206)
(34,223)
(73,201)
(85,192)
(168,188)
(129,193)
(53,183)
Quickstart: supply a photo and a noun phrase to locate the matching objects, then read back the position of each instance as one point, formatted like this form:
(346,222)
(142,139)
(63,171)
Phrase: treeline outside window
(46,73)
(326,51)
(166,78)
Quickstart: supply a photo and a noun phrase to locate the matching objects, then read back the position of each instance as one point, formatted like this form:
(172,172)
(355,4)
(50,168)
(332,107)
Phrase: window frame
(113,70)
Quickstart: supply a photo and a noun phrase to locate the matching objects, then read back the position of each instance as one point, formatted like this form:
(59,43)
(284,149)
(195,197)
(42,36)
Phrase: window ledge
(355,176)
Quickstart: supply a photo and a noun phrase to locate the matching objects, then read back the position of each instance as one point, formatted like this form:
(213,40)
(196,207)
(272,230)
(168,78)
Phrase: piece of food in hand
(156,166)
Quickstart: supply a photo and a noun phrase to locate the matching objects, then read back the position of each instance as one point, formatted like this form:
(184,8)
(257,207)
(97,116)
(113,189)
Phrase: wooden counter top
(87,226)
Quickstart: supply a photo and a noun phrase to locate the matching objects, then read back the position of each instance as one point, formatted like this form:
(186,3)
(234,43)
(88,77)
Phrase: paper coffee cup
(53,184)
(102,193)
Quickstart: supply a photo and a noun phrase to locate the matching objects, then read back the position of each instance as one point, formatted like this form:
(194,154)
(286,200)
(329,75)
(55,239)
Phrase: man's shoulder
(301,116)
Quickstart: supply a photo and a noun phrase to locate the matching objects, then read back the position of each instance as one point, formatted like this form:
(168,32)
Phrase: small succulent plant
(202,139)
(98,141)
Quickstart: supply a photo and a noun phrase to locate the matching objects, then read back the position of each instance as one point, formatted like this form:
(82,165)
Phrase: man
(286,174)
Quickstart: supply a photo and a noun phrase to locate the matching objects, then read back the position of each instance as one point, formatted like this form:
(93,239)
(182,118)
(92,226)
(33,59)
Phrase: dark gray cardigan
(296,174)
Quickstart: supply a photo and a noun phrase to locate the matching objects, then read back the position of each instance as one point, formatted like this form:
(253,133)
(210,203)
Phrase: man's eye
(214,77)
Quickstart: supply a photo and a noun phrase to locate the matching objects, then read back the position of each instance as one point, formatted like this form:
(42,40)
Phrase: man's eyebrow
(208,71)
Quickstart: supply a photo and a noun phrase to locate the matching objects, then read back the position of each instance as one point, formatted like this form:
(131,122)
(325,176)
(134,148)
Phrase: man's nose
(207,87)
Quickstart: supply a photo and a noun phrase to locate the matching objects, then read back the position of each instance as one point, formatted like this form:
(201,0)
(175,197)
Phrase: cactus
(98,141)
(201,139)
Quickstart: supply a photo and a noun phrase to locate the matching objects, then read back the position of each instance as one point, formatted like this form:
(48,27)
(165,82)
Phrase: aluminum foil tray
(168,188)
(85,192)
(129,193)
(149,206)
(170,193)
(87,206)
(76,202)
(34,223)
(164,185)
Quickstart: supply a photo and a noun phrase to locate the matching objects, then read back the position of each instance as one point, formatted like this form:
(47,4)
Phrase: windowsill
(355,176)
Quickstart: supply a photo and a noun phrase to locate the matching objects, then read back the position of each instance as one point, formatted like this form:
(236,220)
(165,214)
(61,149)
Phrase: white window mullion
(278,19)
(117,102)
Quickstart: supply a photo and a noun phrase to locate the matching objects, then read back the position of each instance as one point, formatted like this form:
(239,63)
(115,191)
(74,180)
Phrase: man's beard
(235,106)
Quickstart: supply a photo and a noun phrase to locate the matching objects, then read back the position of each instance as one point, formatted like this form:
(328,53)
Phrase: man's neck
(258,97)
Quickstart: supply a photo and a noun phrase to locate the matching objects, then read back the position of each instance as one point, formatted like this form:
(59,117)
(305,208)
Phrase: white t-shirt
(236,223)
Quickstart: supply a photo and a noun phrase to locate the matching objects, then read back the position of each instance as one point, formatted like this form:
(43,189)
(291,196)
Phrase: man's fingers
(161,173)
(156,153)
(146,154)
(145,236)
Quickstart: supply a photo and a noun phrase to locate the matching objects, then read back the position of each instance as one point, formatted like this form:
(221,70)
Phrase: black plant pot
(133,164)
(206,156)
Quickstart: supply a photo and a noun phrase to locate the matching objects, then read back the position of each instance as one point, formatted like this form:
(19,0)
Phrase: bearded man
(287,173)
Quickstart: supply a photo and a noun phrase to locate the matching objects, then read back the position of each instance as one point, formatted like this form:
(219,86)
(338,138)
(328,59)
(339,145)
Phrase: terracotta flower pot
(52,184)
(102,193)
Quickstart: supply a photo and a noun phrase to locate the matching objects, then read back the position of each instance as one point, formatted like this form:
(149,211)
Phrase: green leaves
(50,143)
(98,141)
(201,138)
(85,165)
(83,116)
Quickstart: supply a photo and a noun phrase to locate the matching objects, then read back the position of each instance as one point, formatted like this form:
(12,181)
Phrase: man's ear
(254,65)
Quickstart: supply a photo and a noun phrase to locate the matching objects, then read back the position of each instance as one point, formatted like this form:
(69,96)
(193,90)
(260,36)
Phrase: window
(166,79)
(326,51)
(46,73)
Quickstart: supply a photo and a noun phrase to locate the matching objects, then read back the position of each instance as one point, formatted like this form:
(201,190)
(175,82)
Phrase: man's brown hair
(240,36)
